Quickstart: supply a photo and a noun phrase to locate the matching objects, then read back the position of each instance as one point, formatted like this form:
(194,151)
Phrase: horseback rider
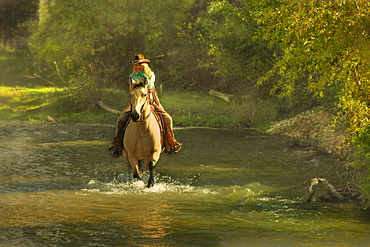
(141,73)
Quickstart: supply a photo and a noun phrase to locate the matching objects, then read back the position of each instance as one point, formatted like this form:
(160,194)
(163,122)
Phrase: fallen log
(313,186)
(50,119)
(107,108)
(223,96)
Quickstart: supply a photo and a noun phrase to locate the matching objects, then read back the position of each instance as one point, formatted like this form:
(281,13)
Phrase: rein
(141,110)
(146,102)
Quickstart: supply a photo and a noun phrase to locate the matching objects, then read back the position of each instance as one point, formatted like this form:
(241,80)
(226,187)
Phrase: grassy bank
(42,103)
(27,97)
(65,105)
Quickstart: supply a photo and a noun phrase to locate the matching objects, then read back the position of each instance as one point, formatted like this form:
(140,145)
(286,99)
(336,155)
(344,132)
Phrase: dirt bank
(313,128)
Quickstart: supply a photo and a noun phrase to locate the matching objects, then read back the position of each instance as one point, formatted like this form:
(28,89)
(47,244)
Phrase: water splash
(125,185)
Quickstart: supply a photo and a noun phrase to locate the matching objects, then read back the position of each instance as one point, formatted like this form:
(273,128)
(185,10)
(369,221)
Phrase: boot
(114,151)
(171,145)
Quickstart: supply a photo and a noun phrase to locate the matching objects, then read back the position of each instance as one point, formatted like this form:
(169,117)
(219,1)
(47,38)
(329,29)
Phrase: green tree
(89,43)
(325,48)
(13,16)
(229,31)
(308,53)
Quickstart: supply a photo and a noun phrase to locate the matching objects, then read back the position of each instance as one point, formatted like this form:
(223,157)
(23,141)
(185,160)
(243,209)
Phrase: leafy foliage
(325,48)
(13,16)
(94,41)
(229,30)
(321,41)
(307,52)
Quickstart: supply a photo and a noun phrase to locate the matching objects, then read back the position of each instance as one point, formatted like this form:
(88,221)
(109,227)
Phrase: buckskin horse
(143,137)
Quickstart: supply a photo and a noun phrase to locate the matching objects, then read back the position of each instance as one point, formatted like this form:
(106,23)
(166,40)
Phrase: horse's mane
(139,85)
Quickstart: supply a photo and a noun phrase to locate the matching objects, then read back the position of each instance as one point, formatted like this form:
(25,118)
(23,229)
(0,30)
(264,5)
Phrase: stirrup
(177,148)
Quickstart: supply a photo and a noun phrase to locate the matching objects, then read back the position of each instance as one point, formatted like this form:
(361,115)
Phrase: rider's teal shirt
(138,77)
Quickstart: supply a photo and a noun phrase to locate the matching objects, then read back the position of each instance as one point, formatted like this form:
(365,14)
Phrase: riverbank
(314,128)
(69,105)
(31,99)
(311,128)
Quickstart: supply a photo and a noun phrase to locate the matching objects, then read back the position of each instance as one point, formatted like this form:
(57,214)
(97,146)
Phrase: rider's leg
(116,146)
(167,120)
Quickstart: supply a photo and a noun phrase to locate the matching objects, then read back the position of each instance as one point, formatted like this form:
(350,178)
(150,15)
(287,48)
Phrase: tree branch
(223,96)
(107,108)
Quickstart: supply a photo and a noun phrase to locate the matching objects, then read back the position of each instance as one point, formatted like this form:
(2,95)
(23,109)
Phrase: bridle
(143,117)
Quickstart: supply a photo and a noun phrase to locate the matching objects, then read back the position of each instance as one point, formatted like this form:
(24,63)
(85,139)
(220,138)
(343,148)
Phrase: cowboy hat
(140,59)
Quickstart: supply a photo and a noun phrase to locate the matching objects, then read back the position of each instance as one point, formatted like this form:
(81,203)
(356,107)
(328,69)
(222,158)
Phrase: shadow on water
(59,187)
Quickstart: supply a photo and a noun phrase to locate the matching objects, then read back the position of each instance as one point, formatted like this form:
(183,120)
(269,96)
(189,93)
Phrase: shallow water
(59,187)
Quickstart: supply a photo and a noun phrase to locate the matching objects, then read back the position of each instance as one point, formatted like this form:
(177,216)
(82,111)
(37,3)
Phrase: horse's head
(139,102)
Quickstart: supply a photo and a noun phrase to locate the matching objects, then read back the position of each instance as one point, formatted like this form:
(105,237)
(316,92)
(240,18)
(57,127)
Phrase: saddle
(159,118)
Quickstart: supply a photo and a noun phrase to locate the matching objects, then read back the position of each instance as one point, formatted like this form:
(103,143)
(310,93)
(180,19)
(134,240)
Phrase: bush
(362,162)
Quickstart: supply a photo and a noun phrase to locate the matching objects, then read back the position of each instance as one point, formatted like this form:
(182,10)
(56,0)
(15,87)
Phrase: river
(60,187)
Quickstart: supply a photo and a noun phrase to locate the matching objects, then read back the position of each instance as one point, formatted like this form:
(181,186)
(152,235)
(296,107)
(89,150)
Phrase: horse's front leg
(134,163)
(137,173)
(151,173)
(152,164)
